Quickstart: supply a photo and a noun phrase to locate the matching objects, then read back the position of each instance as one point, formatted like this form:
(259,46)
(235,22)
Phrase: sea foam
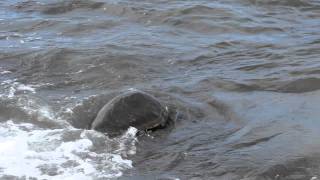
(27,151)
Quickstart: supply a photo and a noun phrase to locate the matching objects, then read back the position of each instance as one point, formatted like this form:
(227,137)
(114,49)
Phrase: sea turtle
(131,109)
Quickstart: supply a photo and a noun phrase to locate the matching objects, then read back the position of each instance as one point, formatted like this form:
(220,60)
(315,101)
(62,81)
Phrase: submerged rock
(134,108)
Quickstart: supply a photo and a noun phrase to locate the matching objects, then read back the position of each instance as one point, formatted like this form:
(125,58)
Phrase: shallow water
(243,75)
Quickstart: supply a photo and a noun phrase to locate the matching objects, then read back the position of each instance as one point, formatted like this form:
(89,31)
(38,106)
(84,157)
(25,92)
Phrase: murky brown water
(244,76)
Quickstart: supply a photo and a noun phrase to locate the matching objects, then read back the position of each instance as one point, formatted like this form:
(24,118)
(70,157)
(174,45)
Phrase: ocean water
(243,77)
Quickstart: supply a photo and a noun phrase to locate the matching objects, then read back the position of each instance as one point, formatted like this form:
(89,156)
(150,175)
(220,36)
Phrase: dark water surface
(243,75)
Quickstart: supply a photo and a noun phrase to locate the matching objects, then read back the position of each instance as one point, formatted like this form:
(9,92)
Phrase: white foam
(45,154)
(36,107)
(127,142)
(16,35)
(42,85)
(23,87)
(11,87)
(133,89)
(5,72)
(12,91)
(68,110)
(9,81)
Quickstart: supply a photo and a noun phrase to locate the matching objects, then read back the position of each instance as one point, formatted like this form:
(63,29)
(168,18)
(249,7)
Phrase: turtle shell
(134,108)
